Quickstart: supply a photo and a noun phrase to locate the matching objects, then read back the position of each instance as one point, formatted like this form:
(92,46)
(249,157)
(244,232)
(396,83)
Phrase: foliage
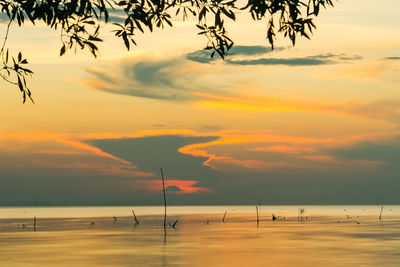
(79,22)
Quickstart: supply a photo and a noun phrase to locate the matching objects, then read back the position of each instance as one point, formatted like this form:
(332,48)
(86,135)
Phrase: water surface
(330,236)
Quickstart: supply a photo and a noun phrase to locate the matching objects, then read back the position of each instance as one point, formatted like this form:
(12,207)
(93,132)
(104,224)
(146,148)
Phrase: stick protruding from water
(380,215)
(223,218)
(257,210)
(165,199)
(34,224)
(135,218)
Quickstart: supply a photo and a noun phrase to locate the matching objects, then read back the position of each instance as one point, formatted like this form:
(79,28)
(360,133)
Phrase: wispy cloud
(322,59)
(256,55)
(186,81)
(180,79)
(155,79)
(204,56)
(392,58)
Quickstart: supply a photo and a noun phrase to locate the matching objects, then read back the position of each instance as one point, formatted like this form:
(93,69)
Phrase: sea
(301,235)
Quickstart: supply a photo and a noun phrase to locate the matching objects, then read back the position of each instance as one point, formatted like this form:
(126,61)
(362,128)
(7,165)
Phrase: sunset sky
(315,124)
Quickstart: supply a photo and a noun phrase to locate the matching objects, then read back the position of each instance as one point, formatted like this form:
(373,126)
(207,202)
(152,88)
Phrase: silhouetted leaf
(62,51)
(125,41)
(21,87)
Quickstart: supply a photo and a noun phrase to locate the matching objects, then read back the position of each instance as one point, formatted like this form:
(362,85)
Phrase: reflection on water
(331,236)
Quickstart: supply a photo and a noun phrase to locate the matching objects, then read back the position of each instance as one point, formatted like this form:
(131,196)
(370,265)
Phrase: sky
(318,123)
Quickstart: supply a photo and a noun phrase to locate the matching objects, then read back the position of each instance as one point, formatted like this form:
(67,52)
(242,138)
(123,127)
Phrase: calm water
(331,236)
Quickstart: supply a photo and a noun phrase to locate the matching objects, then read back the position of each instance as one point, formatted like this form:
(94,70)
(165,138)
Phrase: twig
(380,215)
(173,225)
(6,37)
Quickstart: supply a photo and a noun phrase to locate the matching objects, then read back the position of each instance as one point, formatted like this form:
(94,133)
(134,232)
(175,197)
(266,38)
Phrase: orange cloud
(58,152)
(284,149)
(183,186)
(299,146)
(230,152)
(68,152)
(263,103)
(93,168)
(379,110)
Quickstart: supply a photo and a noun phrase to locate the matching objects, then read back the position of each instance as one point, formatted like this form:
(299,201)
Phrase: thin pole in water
(165,200)
(34,223)
(258,221)
(380,215)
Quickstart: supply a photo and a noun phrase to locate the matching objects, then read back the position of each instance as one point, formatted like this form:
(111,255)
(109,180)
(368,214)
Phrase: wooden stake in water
(34,223)
(258,221)
(380,215)
(135,218)
(223,218)
(165,200)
